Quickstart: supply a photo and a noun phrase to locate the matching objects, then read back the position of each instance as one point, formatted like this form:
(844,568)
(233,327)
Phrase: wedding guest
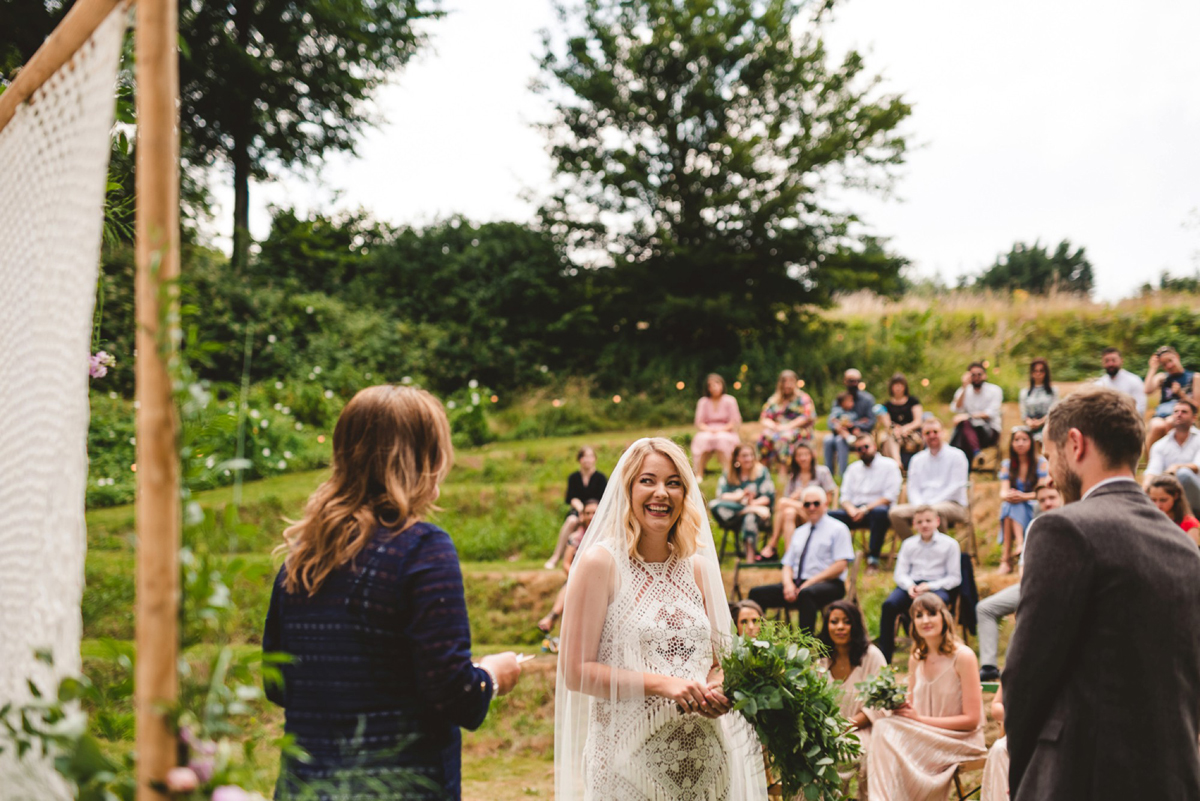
(1172,384)
(904,415)
(976,408)
(717,421)
(916,750)
(937,476)
(369,603)
(546,624)
(1036,399)
(814,567)
(870,487)
(787,418)
(930,562)
(789,511)
(1167,495)
(586,483)
(995,770)
(1120,379)
(859,419)
(745,498)
(998,605)
(1178,454)
(1019,477)
(851,659)
(747,615)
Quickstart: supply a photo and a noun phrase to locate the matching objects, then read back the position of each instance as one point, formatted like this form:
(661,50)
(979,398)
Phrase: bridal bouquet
(882,691)
(774,682)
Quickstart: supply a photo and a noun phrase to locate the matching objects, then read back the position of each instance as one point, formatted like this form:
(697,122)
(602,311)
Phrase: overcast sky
(1032,120)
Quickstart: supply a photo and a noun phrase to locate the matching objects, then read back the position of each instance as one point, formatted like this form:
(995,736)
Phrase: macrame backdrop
(53,174)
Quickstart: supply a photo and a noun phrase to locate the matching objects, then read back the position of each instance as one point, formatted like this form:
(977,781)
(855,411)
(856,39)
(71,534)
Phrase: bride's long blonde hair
(391,450)
(683,538)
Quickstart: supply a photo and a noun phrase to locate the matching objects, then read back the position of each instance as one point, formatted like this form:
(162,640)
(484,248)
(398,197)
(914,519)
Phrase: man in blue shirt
(814,567)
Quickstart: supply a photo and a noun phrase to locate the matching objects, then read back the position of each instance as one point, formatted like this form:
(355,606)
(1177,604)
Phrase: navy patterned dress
(381,679)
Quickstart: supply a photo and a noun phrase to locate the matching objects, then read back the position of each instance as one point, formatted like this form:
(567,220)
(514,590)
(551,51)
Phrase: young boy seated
(930,562)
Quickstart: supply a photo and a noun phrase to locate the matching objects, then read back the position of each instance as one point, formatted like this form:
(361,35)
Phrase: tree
(694,141)
(283,82)
(1033,269)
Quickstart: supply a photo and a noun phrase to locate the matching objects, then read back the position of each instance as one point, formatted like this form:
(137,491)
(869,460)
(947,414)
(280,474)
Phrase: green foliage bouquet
(882,691)
(774,682)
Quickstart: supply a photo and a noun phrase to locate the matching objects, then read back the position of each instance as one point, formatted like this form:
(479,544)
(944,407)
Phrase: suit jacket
(1102,682)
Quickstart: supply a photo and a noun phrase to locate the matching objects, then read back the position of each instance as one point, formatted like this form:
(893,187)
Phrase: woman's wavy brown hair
(391,450)
(931,602)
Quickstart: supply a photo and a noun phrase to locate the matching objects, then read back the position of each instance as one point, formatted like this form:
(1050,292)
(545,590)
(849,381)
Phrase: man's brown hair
(1107,417)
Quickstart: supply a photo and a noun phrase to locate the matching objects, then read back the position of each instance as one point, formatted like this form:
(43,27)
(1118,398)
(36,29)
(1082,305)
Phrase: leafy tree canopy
(1037,271)
(695,142)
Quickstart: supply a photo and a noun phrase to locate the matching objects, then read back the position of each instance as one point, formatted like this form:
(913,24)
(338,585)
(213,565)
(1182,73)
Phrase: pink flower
(182,780)
(203,767)
(231,792)
(98,364)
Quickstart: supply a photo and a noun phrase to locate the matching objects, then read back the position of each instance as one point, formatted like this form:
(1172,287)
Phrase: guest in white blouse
(931,562)
(869,488)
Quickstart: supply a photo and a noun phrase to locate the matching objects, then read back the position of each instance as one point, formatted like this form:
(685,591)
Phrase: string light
(737,384)
(680,385)
(321,438)
(924,382)
(556,403)
(616,398)
(494,399)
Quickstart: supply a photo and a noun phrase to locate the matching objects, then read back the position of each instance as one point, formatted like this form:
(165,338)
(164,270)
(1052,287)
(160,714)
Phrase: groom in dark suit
(1102,684)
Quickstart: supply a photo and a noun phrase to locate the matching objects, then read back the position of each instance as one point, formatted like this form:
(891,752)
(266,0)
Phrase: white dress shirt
(862,485)
(1167,451)
(831,542)
(937,562)
(988,398)
(934,479)
(1129,383)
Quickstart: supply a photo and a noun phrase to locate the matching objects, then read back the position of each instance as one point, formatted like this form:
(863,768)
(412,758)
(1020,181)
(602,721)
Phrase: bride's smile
(657,496)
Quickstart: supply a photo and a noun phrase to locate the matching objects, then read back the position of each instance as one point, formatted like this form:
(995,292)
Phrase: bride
(640,714)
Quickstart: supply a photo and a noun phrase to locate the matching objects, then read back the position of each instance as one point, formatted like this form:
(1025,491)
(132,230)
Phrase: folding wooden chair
(963,767)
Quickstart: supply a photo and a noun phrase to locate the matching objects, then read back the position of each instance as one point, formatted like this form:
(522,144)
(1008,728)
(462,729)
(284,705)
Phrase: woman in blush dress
(787,418)
(995,771)
(915,751)
(717,421)
(852,659)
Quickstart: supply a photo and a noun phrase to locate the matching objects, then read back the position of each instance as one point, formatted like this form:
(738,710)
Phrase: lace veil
(600,688)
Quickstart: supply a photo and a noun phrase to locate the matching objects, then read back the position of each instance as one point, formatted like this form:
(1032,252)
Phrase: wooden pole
(68,36)
(158,505)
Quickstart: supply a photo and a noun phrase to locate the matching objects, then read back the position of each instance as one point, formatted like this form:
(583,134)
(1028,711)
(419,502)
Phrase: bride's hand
(718,704)
(688,695)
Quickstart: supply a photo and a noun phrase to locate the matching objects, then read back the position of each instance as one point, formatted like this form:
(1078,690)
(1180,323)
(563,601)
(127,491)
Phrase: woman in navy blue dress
(369,605)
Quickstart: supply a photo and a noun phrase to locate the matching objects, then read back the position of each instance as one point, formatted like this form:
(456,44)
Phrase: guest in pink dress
(915,751)
(995,772)
(717,421)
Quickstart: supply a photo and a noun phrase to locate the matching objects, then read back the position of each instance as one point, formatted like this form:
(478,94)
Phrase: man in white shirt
(976,408)
(1178,453)
(814,566)
(869,488)
(937,477)
(931,562)
(1120,379)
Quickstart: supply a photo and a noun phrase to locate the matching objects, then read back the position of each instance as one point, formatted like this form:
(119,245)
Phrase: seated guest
(902,437)
(931,562)
(789,512)
(858,417)
(745,498)
(915,751)
(1167,494)
(787,418)
(717,421)
(814,567)
(937,477)
(995,770)
(1171,384)
(747,615)
(842,433)
(1178,453)
(991,609)
(1036,399)
(1120,379)
(851,659)
(546,624)
(871,486)
(586,483)
(1019,477)
(976,408)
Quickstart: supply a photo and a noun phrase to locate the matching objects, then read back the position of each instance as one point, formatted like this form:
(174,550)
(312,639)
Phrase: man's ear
(1077,445)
